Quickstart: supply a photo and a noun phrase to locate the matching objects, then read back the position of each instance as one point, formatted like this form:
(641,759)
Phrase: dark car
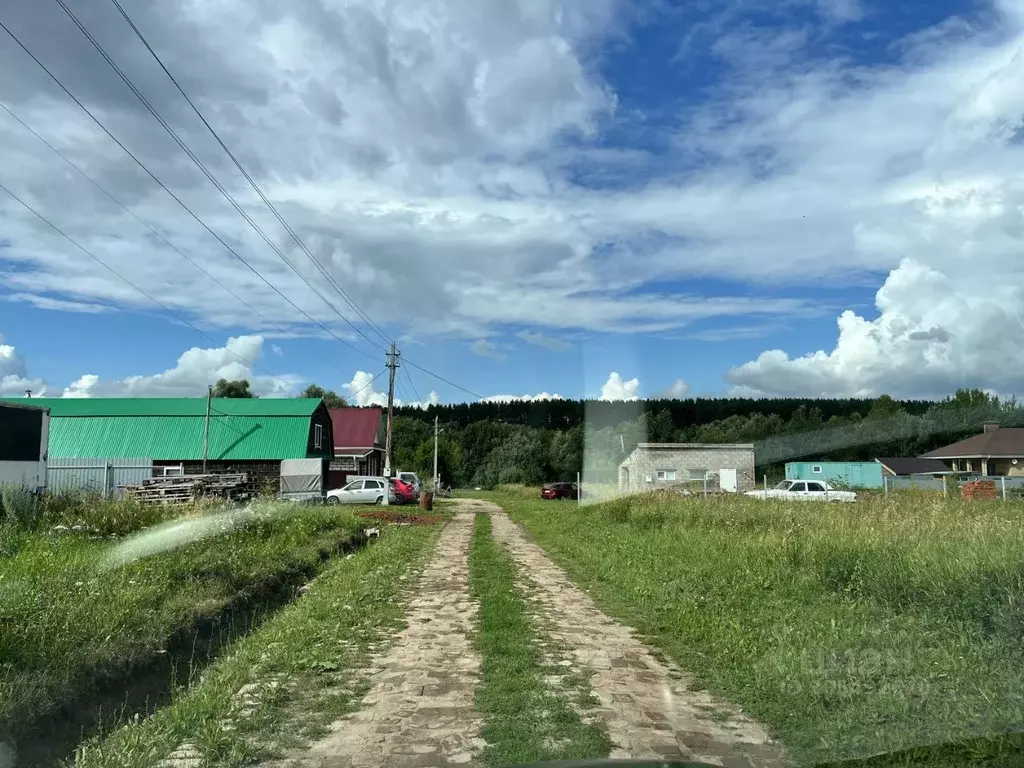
(560,491)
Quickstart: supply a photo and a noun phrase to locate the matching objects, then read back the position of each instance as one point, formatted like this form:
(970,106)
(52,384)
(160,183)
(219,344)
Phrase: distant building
(996,451)
(727,466)
(856,474)
(911,467)
(250,435)
(358,444)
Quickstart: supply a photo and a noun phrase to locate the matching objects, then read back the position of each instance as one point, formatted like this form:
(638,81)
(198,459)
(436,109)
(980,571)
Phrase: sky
(532,198)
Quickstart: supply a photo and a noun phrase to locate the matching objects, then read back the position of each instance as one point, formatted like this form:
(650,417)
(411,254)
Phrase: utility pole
(392,364)
(435,452)
(206,428)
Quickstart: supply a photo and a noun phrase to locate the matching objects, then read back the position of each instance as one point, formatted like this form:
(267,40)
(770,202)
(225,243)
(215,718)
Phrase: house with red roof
(358,444)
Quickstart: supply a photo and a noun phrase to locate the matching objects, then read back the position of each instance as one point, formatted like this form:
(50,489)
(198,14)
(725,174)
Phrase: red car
(403,491)
(560,491)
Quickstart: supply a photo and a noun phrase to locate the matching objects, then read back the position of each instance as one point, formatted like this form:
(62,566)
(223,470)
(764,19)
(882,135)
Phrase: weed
(526,722)
(849,629)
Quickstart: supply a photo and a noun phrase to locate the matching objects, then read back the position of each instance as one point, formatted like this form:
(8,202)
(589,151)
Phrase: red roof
(355,428)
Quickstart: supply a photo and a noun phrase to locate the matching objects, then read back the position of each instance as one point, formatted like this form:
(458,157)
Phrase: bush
(19,507)
(102,516)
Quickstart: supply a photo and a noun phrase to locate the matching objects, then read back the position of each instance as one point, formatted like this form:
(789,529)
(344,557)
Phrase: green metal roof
(172,429)
(173,406)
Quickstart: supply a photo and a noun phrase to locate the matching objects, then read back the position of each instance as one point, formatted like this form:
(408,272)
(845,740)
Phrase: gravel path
(420,708)
(645,704)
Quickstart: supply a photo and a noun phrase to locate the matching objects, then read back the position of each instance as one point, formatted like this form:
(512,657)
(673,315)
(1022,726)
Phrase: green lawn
(302,668)
(849,629)
(71,617)
(526,720)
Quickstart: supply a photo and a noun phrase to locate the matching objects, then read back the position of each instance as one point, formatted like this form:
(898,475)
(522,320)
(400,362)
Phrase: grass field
(281,685)
(77,609)
(849,629)
(526,721)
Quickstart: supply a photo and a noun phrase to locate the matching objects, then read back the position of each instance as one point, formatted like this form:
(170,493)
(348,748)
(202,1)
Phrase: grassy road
(279,687)
(850,629)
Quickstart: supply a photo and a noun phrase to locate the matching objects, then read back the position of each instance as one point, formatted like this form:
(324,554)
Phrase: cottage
(650,465)
(358,444)
(241,435)
(996,451)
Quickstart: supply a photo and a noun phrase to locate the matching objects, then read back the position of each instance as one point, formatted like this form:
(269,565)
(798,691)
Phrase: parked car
(404,491)
(804,490)
(410,478)
(362,490)
(560,491)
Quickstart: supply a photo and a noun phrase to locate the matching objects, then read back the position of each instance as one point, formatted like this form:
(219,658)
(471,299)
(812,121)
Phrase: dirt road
(420,709)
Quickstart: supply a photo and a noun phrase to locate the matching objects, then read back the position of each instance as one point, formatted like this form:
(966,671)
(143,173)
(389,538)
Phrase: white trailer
(24,437)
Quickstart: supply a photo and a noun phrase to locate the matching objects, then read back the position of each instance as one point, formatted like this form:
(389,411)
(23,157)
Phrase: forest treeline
(486,443)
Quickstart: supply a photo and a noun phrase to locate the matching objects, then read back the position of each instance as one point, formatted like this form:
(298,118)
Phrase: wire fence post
(1002,480)
(579,490)
(108,479)
(885,485)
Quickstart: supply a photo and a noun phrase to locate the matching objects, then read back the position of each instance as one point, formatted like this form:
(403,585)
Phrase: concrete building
(652,465)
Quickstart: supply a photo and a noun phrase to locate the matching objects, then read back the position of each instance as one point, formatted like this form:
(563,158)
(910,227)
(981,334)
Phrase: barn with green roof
(244,434)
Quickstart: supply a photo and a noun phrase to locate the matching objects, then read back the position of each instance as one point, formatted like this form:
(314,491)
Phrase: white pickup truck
(804,490)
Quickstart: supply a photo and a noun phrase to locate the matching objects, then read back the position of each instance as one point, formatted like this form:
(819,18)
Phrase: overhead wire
(205,170)
(252,182)
(155,232)
(366,385)
(156,301)
(173,196)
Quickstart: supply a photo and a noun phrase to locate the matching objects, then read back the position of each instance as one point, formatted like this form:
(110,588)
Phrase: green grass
(849,629)
(68,619)
(306,660)
(525,720)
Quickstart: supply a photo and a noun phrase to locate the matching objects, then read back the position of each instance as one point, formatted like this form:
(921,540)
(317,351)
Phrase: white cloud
(934,334)
(678,390)
(362,391)
(617,389)
(521,398)
(541,340)
(195,369)
(485,348)
(14,379)
(277,350)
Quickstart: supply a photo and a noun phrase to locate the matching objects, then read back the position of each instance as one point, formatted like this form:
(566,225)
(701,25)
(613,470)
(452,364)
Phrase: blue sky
(591,198)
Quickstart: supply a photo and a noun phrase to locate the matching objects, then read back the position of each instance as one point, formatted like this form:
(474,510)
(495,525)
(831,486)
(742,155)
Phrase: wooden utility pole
(435,452)
(206,428)
(392,364)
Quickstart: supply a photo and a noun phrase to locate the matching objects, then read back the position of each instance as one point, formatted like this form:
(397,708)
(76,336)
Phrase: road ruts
(645,704)
(420,708)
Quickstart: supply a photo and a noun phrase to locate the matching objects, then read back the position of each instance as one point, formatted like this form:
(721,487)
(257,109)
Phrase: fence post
(107,478)
(579,490)
(885,484)
(766,483)
(1002,480)
(945,487)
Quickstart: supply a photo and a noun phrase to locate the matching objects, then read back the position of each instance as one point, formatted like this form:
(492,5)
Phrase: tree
(225,388)
(331,398)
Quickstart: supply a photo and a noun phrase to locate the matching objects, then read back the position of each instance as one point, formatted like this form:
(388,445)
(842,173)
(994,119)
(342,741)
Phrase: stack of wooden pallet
(980,489)
(185,489)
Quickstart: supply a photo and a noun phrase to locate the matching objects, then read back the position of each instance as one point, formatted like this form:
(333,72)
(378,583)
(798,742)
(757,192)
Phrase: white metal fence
(1006,487)
(104,476)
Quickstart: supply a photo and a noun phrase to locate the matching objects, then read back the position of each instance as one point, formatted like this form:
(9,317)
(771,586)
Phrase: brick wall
(647,461)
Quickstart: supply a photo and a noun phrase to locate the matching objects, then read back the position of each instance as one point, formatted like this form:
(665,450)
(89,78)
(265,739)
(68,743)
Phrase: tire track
(646,705)
(420,709)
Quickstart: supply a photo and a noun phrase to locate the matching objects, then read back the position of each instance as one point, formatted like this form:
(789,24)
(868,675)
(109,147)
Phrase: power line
(202,167)
(411,384)
(294,235)
(173,196)
(442,378)
(367,384)
(160,304)
(130,212)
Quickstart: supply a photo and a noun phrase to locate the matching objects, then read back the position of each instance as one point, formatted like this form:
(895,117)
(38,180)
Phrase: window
(318,435)
(176,471)
(816,487)
(666,474)
(356,485)
(374,485)
(816,469)
(799,487)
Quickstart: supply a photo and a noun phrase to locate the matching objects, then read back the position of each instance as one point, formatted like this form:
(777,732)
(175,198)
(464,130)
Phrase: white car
(363,490)
(803,490)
